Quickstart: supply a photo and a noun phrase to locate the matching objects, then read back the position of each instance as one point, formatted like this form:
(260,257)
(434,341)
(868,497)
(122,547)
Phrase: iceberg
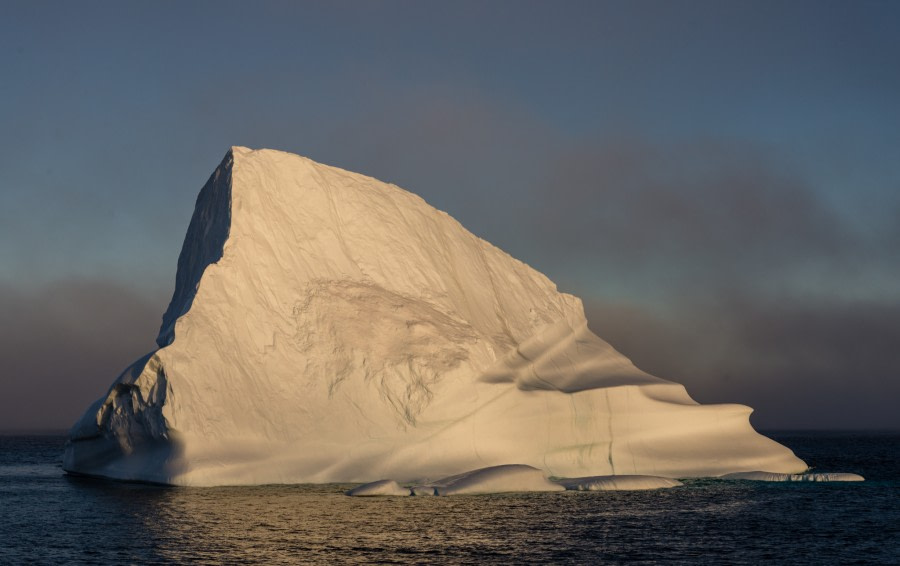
(329,327)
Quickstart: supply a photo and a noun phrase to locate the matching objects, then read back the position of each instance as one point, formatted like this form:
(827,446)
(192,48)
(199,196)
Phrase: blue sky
(719,181)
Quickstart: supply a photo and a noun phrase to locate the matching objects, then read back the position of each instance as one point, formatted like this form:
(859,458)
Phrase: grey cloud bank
(813,365)
(61,343)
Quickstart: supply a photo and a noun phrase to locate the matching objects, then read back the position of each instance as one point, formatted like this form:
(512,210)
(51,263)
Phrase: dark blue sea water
(48,517)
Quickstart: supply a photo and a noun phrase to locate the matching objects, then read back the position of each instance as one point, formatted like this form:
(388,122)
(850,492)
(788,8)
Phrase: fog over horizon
(717,181)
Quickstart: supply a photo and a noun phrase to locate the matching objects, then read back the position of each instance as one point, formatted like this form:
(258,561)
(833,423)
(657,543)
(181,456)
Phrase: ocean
(51,518)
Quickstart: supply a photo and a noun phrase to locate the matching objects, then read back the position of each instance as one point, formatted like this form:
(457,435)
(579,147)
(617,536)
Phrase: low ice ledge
(521,478)
(805,477)
(511,478)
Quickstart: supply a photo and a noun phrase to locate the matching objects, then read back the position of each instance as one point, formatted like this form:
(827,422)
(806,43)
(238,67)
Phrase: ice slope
(326,326)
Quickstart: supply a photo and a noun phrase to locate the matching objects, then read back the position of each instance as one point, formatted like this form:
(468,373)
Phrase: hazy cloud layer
(726,208)
(63,344)
(798,364)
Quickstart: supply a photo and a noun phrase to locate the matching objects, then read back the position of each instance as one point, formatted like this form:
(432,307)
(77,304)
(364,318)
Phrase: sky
(719,181)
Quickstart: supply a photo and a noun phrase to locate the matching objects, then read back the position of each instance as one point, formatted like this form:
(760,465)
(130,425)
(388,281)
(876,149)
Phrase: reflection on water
(320,524)
(48,517)
(716,521)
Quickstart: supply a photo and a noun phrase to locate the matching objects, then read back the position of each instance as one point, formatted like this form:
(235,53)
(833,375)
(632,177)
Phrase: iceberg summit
(328,327)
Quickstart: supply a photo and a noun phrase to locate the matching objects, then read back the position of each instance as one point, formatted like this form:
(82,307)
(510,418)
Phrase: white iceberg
(809,476)
(328,327)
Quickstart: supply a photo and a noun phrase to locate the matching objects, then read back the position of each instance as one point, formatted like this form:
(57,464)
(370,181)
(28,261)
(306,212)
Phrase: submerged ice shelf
(328,327)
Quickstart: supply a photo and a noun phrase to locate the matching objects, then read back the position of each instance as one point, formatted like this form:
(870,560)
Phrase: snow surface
(328,327)
(770,476)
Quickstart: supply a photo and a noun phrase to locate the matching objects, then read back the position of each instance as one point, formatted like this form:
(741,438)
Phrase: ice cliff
(327,327)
